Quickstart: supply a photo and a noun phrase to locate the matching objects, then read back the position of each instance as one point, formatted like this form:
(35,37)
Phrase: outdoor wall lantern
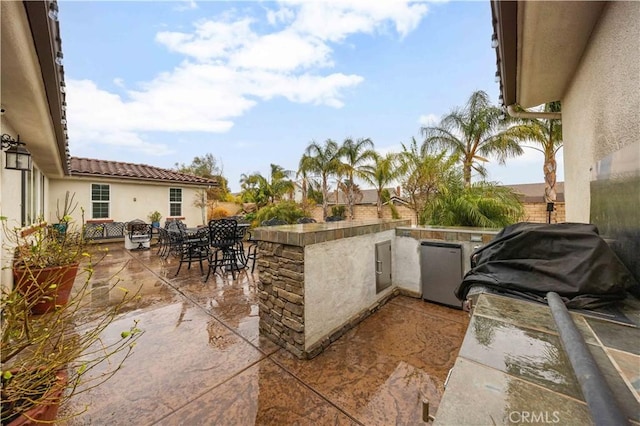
(18,157)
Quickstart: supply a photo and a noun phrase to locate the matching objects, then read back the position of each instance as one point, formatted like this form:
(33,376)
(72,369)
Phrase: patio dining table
(226,237)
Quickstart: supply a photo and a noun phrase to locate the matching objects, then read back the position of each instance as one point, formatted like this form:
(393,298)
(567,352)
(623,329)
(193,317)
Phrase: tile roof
(534,192)
(133,171)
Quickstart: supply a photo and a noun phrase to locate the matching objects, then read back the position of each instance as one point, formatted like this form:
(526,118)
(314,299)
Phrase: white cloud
(335,20)
(229,66)
(283,51)
(428,120)
(210,40)
(283,15)
(186,5)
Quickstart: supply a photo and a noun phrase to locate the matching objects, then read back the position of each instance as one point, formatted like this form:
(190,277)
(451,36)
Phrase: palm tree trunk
(304,191)
(466,171)
(325,195)
(550,166)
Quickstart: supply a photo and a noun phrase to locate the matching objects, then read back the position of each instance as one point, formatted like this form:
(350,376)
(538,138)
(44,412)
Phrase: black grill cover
(531,259)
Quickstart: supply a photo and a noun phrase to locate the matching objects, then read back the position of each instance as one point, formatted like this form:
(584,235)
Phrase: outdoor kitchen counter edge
(313,233)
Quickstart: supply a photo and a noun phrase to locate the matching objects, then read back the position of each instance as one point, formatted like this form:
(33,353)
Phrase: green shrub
(289,211)
(217,213)
(338,211)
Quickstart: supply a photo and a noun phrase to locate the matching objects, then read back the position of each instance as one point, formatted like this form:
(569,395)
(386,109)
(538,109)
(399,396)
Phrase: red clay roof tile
(117,169)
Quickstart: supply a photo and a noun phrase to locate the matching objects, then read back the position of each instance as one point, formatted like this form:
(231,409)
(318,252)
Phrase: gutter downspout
(530,114)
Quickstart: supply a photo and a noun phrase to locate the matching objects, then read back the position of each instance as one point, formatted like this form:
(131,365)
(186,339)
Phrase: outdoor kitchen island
(318,280)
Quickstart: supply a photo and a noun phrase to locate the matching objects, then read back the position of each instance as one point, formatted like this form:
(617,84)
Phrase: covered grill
(530,259)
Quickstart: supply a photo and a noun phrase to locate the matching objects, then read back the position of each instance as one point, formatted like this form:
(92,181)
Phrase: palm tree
(548,135)
(262,191)
(255,189)
(380,174)
(426,173)
(355,154)
(483,204)
(279,183)
(305,181)
(475,133)
(324,161)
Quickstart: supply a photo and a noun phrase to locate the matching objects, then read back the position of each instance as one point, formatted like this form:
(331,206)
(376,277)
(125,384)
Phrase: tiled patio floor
(201,360)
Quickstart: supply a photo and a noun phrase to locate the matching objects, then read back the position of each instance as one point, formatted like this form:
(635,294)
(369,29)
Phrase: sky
(254,82)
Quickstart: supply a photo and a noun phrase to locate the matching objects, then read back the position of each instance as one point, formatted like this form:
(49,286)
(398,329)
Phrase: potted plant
(155,217)
(64,215)
(46,262)
(47,358)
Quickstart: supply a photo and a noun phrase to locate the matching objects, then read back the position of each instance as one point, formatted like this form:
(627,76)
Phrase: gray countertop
(313,233)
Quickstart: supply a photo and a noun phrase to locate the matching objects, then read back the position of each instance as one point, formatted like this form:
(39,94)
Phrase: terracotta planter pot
(44,413)
(33,288)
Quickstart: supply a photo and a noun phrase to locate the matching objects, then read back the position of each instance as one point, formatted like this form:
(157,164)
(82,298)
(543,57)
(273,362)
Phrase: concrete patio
(202,361)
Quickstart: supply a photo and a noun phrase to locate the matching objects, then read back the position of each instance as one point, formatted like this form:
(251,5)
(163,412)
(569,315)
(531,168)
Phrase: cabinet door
(383,265)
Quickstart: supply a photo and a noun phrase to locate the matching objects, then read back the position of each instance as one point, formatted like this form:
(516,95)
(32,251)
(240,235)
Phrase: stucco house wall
(600,107)
(129,200)
(30,109)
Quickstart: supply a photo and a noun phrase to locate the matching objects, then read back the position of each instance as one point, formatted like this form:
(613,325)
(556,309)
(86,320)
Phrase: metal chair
(223,235)
(252,251)
(306,220)
(241,232)
(194,248)
(334,219)
(138,233)
(274,221)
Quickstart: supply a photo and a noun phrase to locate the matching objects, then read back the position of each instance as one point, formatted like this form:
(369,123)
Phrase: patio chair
(223,236)
(138,235)
(252,251)
(241,232)
(164,243)
(194,248)
(274,221)
(306,220)
(175,238)
(334,219)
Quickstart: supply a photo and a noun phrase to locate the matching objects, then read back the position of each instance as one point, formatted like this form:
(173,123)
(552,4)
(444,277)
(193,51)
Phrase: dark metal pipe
(596,391)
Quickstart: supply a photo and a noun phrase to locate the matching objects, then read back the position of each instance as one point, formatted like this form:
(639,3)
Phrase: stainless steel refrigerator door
(441,270)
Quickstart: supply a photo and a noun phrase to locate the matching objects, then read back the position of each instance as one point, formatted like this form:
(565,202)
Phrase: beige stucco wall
(600,109)
(10,202)
(335,290)
(129,200)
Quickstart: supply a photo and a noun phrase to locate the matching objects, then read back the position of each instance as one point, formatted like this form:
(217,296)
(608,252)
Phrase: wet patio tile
(202,351)
(624,396)
(532,315)
(234,302)
(183,353)
(530,355)
(380,371)
(433,309)
(262,394)
(479,395)
(616,336)
(629,367)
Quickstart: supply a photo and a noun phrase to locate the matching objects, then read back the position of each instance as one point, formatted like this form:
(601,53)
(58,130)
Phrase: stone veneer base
(281,287)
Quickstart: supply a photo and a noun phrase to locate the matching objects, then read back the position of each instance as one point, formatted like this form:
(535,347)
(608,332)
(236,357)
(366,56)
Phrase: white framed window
(100,200)
(175,201)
